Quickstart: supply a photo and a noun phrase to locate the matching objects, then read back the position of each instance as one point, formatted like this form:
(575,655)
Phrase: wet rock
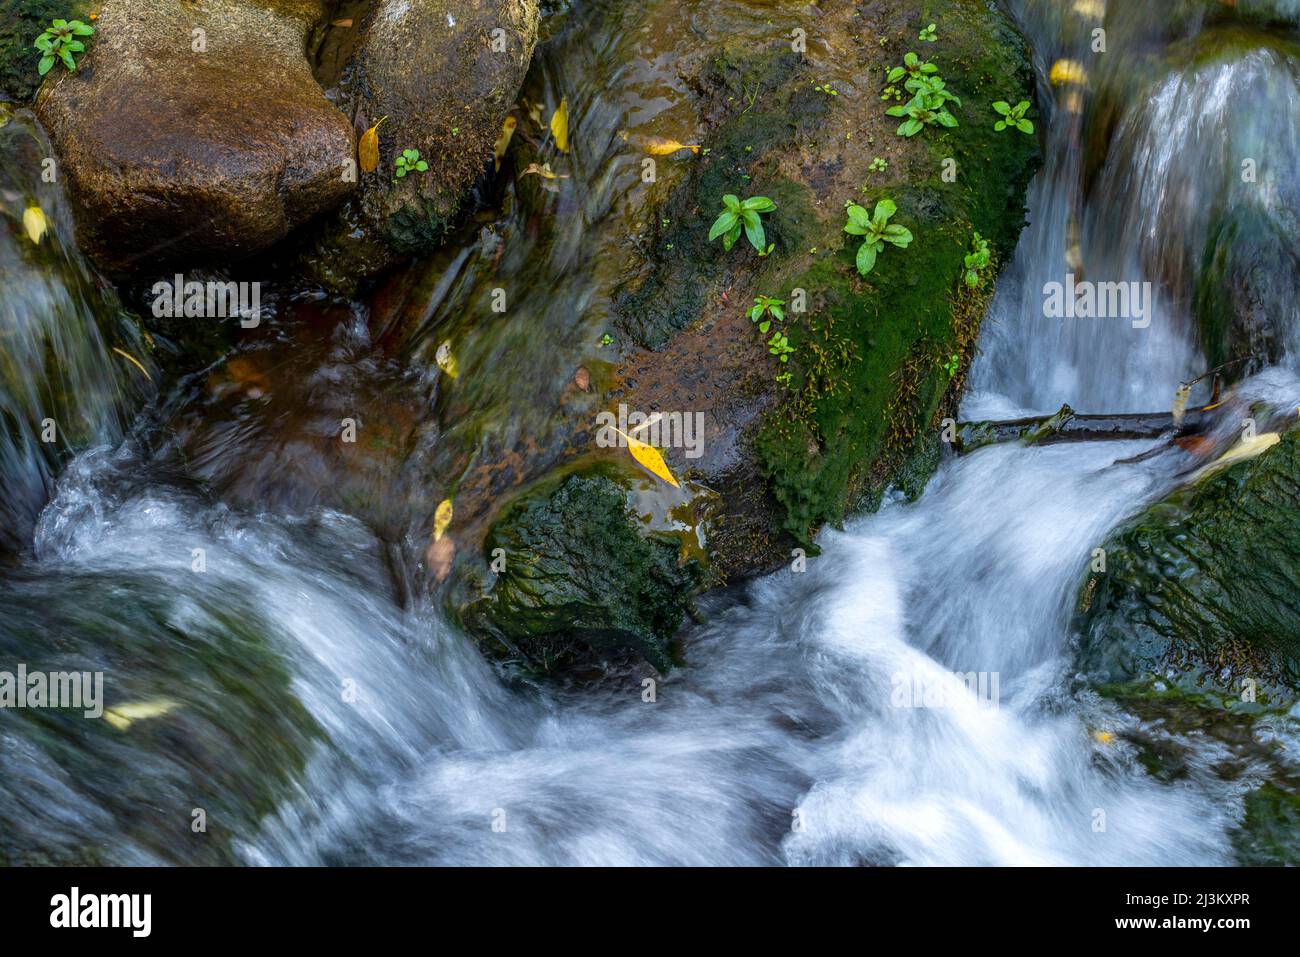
(1199,592)
(866,379)
(577,574)
(442,76)
(185,147)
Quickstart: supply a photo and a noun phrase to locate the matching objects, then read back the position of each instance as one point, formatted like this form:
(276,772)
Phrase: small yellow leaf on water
(368,149)
(651,458)
(1068,71)
(1103,737)
(659,146)
(560,126)
(1245,449)
(446,361)
(35,223)
(441,519)
(503,141)
(124,715)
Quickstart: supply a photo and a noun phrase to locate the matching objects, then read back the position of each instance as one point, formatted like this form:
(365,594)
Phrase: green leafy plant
(927,34)
(827,89)
(892,92)
(913,68)
(60,42)
(977,260)
(1013,116)
(737,215)
(607,340)
(927,108)
(779,346)
(875,230)
(766,304)
(950,366)
(877,166)
(409,162)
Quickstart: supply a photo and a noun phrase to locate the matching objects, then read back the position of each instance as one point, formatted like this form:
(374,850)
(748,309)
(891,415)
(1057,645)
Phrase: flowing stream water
(781,741)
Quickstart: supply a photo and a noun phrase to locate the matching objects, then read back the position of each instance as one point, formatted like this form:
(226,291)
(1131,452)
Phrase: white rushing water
(793,735)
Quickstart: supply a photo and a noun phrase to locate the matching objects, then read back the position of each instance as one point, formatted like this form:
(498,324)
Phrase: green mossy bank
(871,369)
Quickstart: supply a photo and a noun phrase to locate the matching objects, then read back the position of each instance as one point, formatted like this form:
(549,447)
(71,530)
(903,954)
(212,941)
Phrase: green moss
(21,22)
(820,462)
(579,575)
(1270,832)
(1199,591)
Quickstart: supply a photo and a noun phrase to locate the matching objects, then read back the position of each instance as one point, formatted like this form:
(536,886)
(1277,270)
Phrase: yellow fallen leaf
(124,715)
(446,361)
(560,126)
(1245,449)
(1093,9)
(341,23)
(544,171)
(503,141)
(650,457)
(441,519)
(1068,71)
(659,146)
(134,361)
(1103,737)
(368,149)
(35,223)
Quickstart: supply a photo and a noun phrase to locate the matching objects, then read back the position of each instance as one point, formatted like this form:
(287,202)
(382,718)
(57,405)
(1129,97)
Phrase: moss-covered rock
(578,574)
(1199,592)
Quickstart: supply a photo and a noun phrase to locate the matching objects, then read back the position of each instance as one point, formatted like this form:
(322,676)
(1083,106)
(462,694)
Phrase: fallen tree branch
(1066,425)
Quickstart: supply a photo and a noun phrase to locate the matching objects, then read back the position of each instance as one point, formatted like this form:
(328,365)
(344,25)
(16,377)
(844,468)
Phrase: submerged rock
(1199,592)
(196,134)
(441,77)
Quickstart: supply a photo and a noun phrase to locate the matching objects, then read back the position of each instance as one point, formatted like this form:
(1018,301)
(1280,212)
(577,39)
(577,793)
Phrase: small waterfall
(62,386)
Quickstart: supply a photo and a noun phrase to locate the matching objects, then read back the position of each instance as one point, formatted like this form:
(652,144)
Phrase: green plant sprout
(827,89)
(779,346)
(977,260)
(875,231)
(927,34)
(950,366)
(1014,116)
(877,166)
(924,109)
(59,42)
(766,304)
(913,68)
(607,340)
(410,162)
(892,92)
(736,215)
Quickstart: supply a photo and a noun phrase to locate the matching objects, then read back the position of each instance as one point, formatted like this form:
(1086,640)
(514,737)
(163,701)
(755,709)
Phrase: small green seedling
(877,166)
(607,340)
(766,304)
(892,92)
(950,366)
(921,111)
(827,89)
(736,215)
(779,346)
(875,231)
(1014,116)
(59,42)
(409,162)
(927,34)
(977,260)
(913,68)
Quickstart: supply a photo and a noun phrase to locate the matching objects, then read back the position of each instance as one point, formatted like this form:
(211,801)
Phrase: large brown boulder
(183,146)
